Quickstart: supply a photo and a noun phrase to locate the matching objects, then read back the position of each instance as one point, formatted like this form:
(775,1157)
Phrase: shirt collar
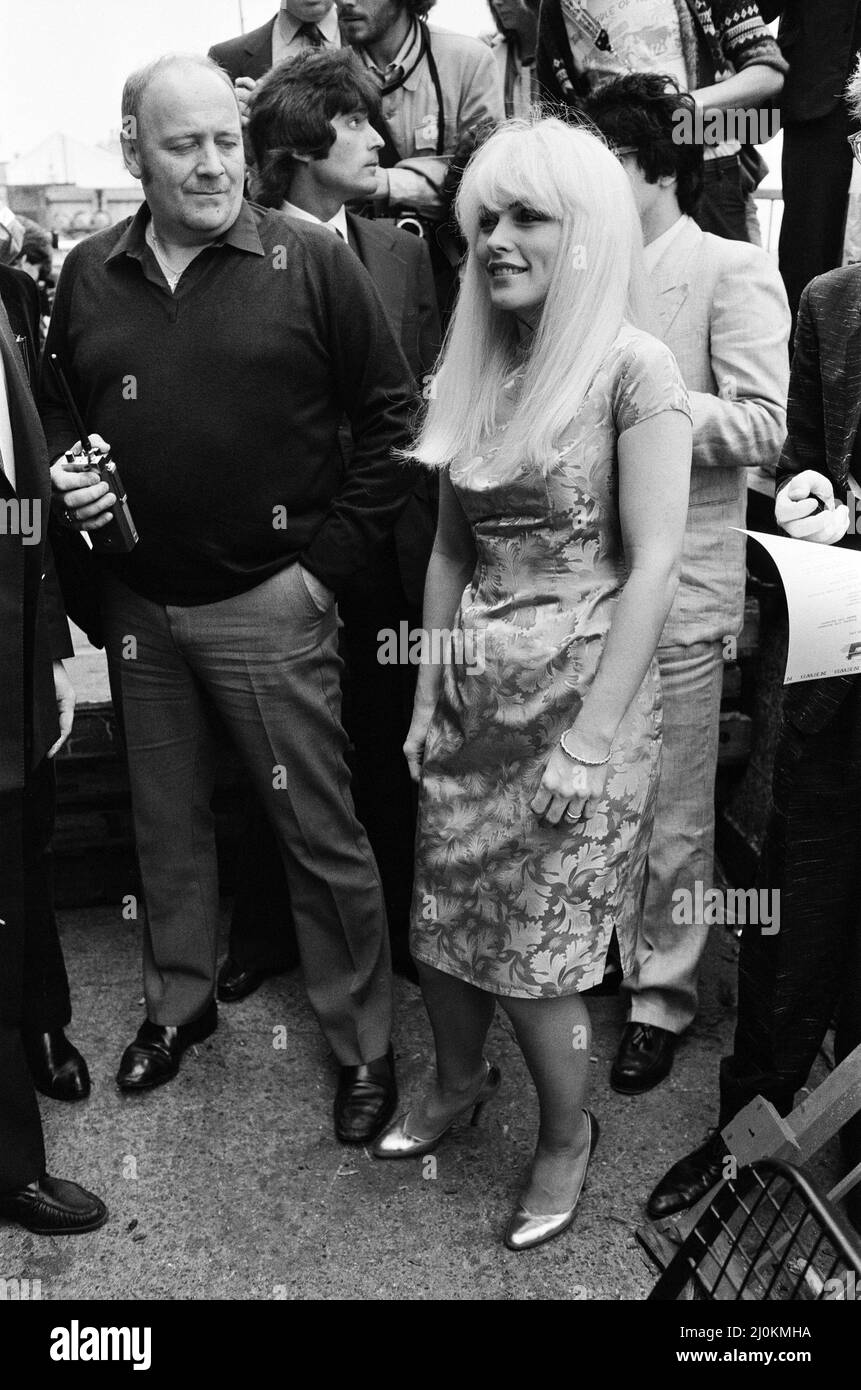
(657,248)
(338,223)
(242,235)
(405,60)
(289,27)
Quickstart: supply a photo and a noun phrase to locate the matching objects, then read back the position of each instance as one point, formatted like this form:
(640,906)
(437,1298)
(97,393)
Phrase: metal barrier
(766,1235)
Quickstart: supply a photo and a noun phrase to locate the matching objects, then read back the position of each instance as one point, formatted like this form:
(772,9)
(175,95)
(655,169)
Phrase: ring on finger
(568,816)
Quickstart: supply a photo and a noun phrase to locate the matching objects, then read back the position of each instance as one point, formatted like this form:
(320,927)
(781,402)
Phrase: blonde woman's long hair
(598,283)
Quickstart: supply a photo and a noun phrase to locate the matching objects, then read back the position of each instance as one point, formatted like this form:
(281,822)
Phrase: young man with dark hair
(792,984)
(723,312)
(315,150)
(720,52)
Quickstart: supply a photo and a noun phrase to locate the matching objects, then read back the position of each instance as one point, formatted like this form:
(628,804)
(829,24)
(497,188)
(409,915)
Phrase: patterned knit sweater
(724,36)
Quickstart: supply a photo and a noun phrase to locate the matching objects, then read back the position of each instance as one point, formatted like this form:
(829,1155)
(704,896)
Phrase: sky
(63,62)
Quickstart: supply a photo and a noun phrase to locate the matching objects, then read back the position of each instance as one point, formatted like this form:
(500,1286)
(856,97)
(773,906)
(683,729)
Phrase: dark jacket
(400,267)
(20,298)
(820,42)
(33,627)
(822,419)
(248,55)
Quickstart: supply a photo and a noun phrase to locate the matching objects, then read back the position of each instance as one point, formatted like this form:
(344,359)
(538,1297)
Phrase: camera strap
(390,154)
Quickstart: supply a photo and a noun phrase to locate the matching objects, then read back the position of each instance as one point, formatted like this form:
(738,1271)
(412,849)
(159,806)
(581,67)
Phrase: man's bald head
(139,83)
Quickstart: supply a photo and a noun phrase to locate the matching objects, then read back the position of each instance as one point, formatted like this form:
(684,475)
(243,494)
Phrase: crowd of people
(415,330)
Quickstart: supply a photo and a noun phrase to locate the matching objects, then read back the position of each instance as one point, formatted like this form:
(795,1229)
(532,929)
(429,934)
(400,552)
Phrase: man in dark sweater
(217,346)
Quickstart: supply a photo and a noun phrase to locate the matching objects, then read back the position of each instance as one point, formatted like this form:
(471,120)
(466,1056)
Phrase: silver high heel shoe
(525,1230)
(397,1142)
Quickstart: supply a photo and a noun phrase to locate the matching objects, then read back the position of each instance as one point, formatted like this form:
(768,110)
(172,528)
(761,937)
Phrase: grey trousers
(267,661)
(663,984)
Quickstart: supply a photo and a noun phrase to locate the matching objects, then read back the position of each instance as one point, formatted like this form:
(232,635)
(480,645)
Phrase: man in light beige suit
(722,309)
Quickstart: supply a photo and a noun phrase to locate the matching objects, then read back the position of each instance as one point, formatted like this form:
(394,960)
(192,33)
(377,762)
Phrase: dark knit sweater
(222,403)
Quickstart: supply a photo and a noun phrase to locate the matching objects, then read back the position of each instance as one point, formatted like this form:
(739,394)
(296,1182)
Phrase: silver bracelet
(575,757)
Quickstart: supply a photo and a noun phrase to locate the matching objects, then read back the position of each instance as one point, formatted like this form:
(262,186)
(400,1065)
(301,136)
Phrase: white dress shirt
(7,443)
(287,42)
(655,249)
(337,224)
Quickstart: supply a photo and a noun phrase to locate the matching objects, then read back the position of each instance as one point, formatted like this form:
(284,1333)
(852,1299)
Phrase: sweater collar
(243,235)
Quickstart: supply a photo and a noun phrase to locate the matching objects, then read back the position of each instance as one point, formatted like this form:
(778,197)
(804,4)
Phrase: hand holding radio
(81,487)
(91,488)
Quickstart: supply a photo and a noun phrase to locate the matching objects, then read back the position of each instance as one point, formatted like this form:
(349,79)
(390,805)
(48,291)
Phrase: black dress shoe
(365,1100)
(235,982)
(689,1179)
(154,1056)
(52,1207)
(57,1068)
(644,1058)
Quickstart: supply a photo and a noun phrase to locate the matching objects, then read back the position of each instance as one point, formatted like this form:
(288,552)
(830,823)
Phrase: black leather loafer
(52,1207)
(365,1100)
(57,1068)
(644,1058)
(235,982)
(689,1179)
(154,1056)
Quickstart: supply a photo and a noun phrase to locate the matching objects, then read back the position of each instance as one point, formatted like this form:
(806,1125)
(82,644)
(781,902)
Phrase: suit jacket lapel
(378,253)
(259,50)
(31,471)
(670,278)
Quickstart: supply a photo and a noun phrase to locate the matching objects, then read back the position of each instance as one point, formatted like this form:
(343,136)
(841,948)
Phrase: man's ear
(300,157)
(129,146)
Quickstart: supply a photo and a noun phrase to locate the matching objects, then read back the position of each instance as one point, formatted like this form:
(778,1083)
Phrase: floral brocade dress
(502,899)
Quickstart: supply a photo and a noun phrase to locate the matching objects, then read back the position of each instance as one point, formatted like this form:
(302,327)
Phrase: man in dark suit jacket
(57,1067)
(315,148)
(821,43)
(299,24)
(34,640)
(794,982)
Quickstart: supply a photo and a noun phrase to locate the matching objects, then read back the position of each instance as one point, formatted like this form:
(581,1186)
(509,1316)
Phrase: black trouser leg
(790,983)
(722,210)
(47,1006)
(22,1153)
(817,168)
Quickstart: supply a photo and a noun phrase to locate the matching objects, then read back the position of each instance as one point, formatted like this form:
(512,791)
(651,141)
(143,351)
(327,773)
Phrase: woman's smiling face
(518,249)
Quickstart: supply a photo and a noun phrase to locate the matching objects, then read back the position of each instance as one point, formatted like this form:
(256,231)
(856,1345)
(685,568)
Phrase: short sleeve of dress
(648,382)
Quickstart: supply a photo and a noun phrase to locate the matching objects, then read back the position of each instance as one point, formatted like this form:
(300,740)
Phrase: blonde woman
(563,436)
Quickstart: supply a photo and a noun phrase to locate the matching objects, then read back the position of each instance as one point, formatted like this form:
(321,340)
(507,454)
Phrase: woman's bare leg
(555,1038)
(460,1017)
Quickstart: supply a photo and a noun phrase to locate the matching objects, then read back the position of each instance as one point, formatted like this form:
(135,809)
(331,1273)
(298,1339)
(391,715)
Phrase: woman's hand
(414,747)
(569,789)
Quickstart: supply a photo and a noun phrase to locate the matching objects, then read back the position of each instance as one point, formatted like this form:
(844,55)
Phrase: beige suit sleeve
(744,425)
